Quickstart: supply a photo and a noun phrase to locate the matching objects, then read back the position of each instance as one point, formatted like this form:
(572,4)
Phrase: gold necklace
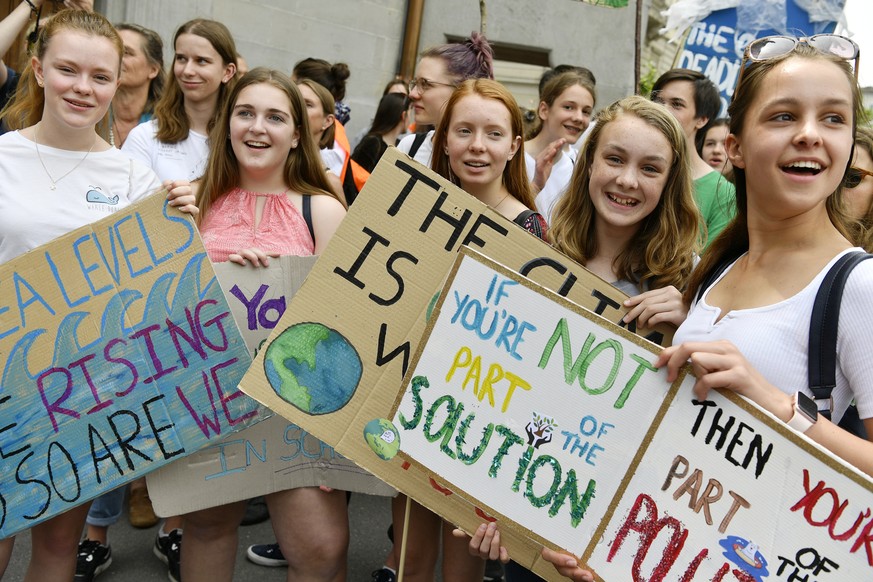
(496,206)
(45,169)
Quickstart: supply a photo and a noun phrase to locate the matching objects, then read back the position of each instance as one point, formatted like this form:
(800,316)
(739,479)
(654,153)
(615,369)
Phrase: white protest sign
(526,406)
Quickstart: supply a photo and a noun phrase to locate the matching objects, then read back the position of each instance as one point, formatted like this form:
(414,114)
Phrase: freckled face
(479,142)
(262,129)
(79,84)
(630,168)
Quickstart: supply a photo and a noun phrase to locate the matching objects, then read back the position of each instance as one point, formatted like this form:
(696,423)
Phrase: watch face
(807,407)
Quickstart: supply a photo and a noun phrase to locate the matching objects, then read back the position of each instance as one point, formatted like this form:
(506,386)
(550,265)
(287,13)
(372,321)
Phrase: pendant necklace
(54,182)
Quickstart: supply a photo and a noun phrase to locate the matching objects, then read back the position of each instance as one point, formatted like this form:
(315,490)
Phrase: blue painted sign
(715,45)
(119,354)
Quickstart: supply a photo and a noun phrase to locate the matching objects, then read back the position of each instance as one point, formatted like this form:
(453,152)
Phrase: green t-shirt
(717,201)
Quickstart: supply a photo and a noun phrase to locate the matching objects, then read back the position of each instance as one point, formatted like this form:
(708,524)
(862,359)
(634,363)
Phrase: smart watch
(805,413)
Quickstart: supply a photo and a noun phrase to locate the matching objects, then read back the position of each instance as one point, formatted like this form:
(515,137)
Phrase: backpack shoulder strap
(715,274)
(823,327)
(416,143)
(307,215)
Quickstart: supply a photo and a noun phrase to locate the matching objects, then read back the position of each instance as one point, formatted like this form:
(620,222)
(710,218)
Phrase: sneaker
(493,571)
(93,558)
(139,508)
(256,511)
(384,575)
(266,555)
(168,549)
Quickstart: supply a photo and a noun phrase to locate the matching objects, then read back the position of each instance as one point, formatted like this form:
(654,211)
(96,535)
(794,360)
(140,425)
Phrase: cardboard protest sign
(272,455)
(556,422)
(529,407)
(359,316)
(727,492)
(119,355)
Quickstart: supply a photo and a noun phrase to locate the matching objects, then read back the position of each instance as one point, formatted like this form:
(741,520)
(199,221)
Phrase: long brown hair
(734,239)
(170,114)
(26,107)
(303,170)
(327,108)
(862,228)
(663,250)
(514,174)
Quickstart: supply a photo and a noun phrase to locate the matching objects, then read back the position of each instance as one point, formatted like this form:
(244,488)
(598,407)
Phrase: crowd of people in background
(694,217)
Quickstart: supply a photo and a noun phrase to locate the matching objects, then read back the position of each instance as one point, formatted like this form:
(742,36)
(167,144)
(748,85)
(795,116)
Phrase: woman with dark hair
(142,81)
(331,76)
(390,121)
(440,70)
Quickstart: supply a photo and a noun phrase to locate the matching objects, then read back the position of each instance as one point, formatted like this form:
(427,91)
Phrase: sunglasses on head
(854,176)
(771,47)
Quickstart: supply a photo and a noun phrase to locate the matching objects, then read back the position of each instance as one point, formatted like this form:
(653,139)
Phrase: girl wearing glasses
(440,70)
(859,195)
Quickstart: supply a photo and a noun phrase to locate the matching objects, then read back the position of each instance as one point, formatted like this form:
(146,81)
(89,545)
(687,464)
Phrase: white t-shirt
(424,153)
(32,214)
(333,158)
(557,183)
(185,160)
(775,338)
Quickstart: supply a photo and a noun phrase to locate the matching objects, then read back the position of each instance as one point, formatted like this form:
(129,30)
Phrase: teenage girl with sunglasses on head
(792,131)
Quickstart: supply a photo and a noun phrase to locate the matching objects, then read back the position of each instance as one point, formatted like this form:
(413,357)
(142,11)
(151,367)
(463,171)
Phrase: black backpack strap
(713,275)
(823,327)
(416,143)
(307,215)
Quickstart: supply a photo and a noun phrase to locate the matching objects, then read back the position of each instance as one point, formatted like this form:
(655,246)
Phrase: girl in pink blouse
(267,178)
(265,194)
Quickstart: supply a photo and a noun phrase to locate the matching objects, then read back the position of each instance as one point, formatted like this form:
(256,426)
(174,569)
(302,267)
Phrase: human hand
(182,195)
(253,256)
(663,305)
(720,364)
(485,542)
(544,162)
(567,565)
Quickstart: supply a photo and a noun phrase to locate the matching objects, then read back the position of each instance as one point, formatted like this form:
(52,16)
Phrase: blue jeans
(106,509)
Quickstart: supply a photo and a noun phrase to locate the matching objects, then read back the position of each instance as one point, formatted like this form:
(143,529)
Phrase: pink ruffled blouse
(230,226)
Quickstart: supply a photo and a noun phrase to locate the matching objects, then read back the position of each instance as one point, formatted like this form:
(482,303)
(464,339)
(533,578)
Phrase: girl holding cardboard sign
(265,194)
(629,217)
(792,133)
(57,157)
